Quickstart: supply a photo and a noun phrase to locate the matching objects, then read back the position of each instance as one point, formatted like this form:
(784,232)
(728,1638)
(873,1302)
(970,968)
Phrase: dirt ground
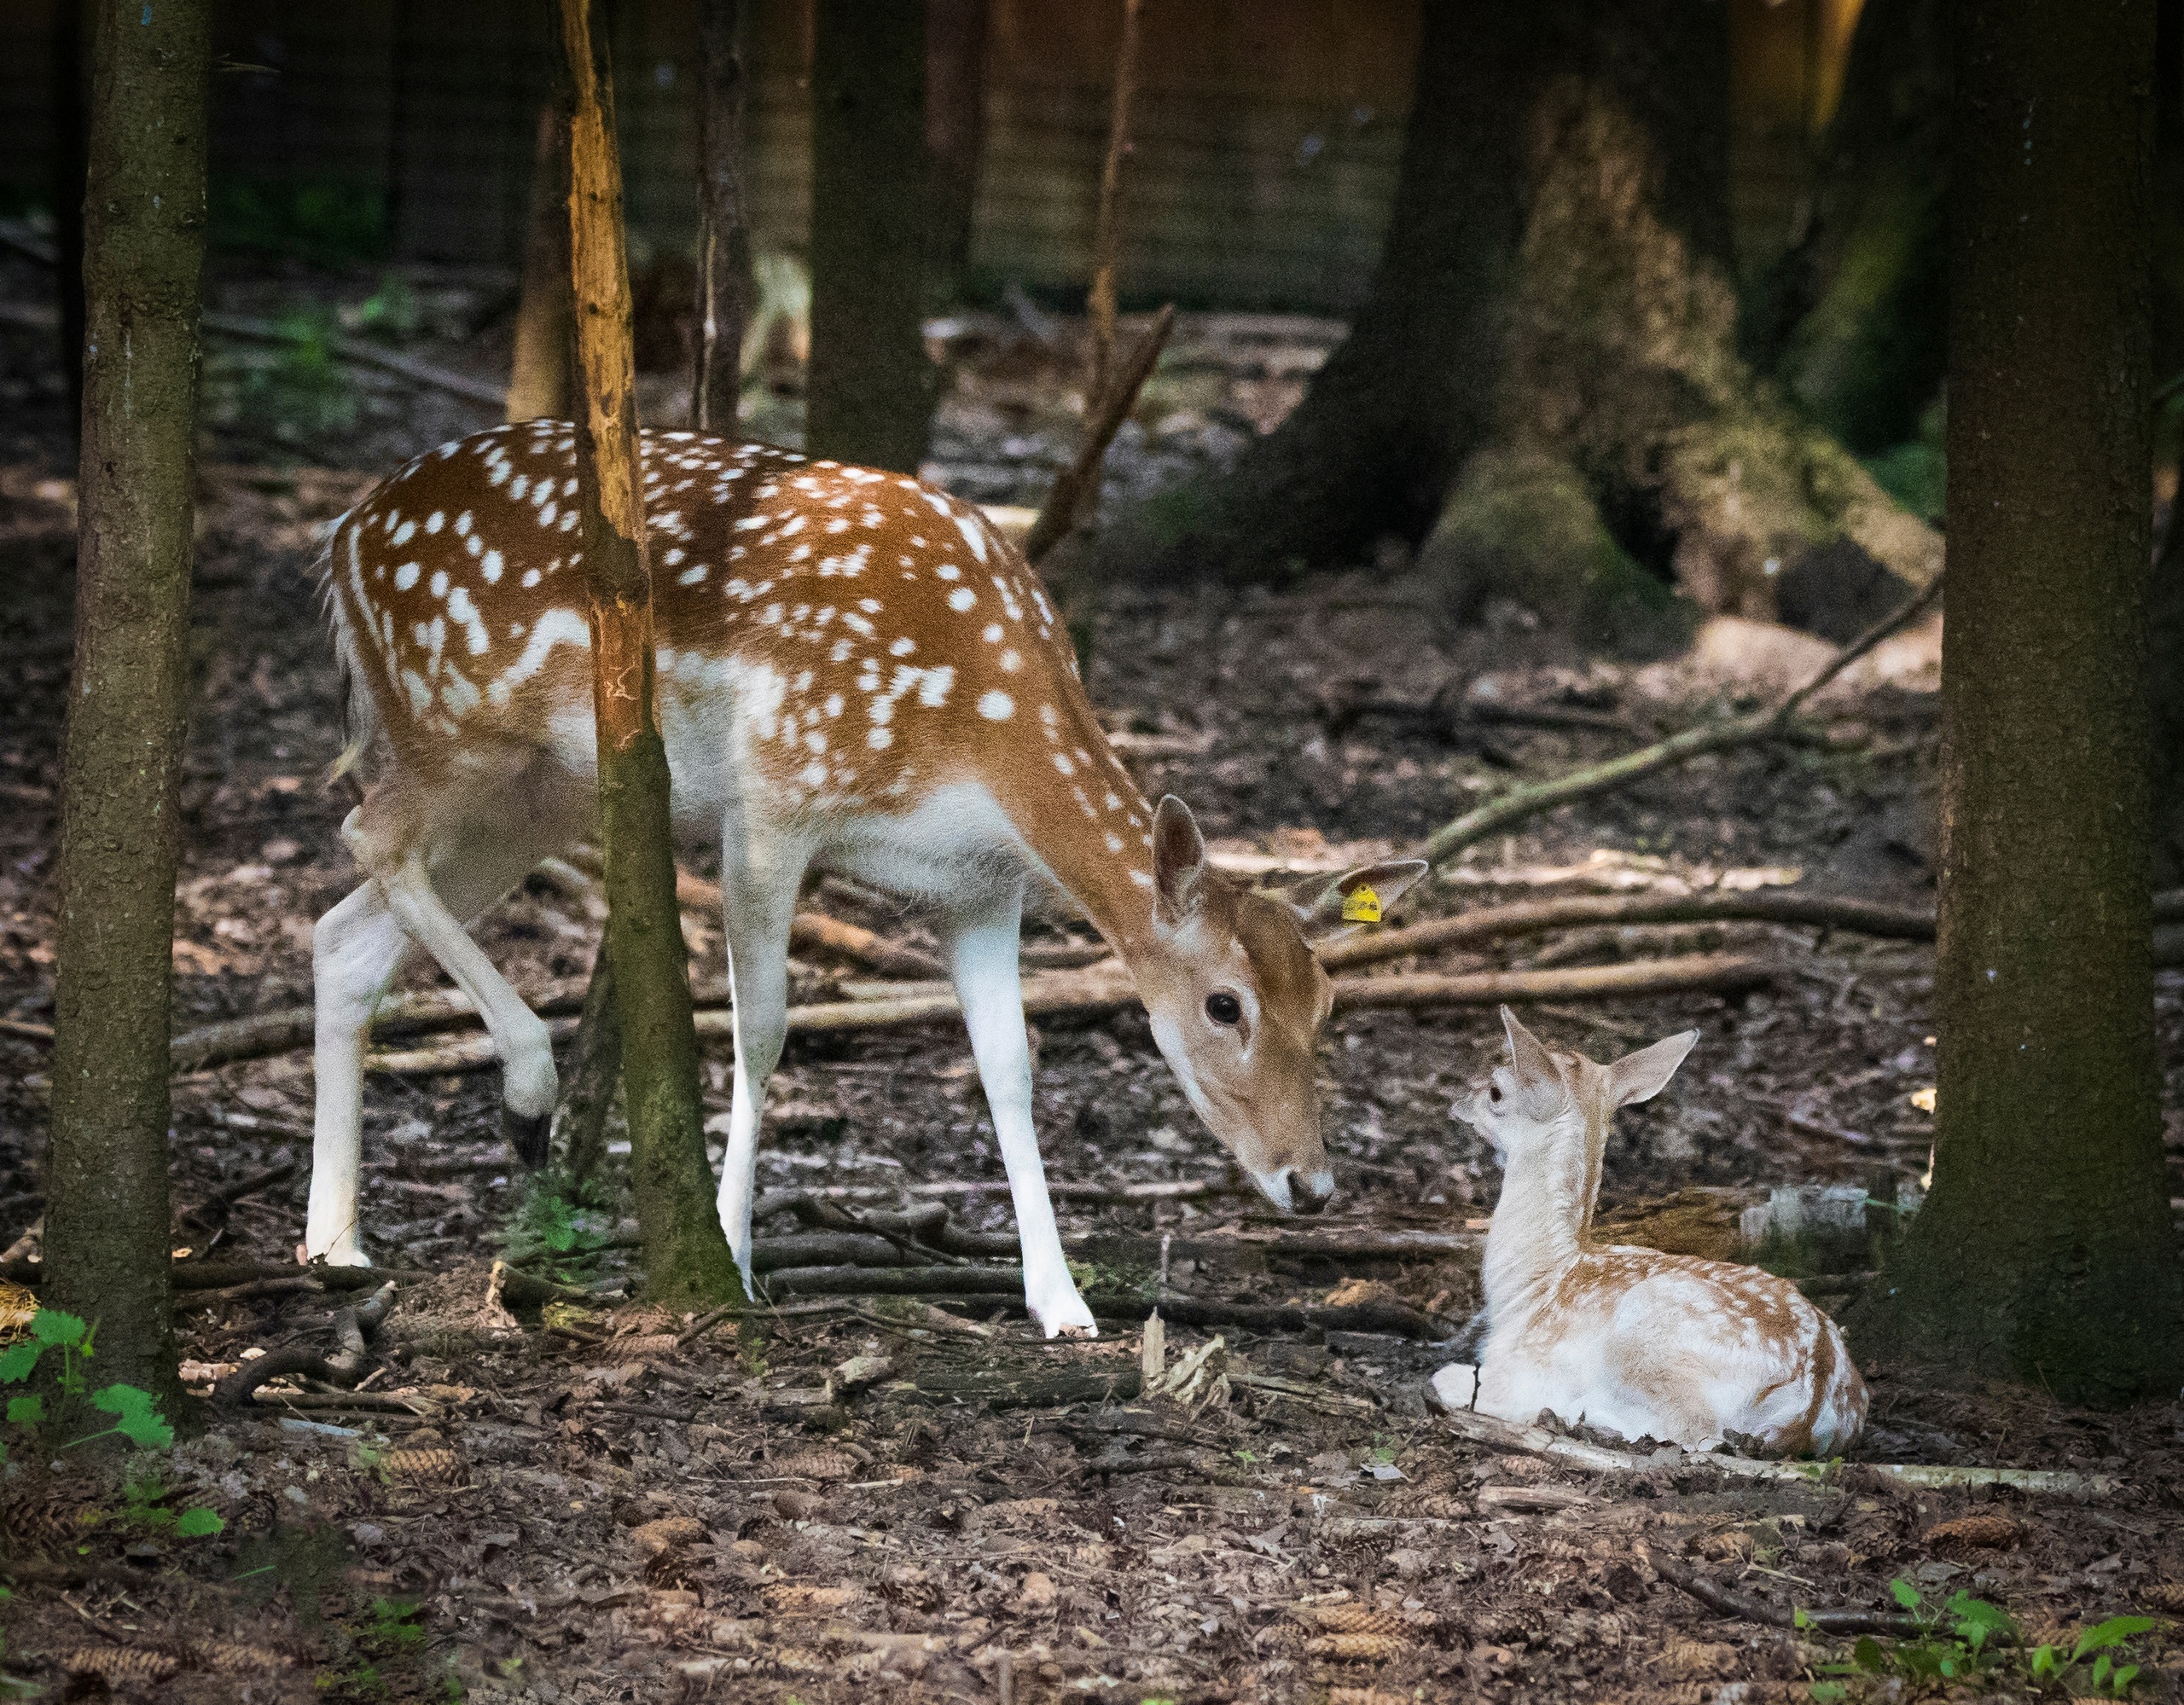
(593,1505)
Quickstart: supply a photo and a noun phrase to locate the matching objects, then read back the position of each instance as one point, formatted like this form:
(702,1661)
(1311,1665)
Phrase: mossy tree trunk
(1853,320)
(108,1213)
(870,394)
(1544,382)
(2045,1252)
(686,1255)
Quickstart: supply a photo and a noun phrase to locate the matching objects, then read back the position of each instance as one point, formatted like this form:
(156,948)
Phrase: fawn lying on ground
(1640,1342)
(856,672)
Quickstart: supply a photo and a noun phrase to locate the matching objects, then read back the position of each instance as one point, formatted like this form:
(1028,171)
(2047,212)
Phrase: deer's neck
(1091,828)
(1541,1224)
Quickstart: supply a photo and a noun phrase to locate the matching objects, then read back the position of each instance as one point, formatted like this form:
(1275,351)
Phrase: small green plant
(560,1225)
(1967,1638)
(136,1414)
(2103,1643)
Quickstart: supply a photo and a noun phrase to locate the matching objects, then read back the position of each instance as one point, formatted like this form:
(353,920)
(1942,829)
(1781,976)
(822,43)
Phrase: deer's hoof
(527,1135)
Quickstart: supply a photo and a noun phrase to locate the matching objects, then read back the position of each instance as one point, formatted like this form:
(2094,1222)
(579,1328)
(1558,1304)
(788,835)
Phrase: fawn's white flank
(856,672)
(1643,1343)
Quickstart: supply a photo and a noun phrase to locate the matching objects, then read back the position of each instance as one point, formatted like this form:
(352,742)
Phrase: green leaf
(2045,1661)
(2112,1632)
(1829,1693)
(16,1363)
(198,1523)
(1798,1619)
(1868,1654)
(2122,1680)
(136,1417)
(2101,1665)
(1904,1592)
(53,1328)
(26,1412)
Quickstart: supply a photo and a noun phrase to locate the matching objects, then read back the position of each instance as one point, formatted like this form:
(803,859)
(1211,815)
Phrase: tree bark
(956,32)
(725,284)
(1854,320)
(869,399)
(686,1256)
(587,1088)
(1547,362)
(107,1208)
(545,329)
(2045,1251)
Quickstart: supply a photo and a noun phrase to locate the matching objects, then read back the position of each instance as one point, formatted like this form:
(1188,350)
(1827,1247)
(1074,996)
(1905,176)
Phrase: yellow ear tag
(1361,906)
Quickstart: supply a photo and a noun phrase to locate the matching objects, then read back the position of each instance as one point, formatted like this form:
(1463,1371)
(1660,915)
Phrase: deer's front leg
(758,883)
(356,950)
(982,961)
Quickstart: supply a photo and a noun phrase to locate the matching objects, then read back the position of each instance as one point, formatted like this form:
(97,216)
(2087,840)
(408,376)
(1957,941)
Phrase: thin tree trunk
(686,1256)
(2045,1250)
(725,285)
(107,1210)
(1107,228)
(71,30)
(956,32)
(869,396)
(589,1086)
(545,329)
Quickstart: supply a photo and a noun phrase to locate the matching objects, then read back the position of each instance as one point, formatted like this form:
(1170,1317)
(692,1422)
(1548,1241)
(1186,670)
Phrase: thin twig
(1716,1596)
(1106,228)
(1076,485)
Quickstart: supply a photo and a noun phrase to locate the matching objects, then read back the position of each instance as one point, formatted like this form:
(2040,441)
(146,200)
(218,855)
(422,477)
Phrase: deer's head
(1238,1000)
(1541,1099)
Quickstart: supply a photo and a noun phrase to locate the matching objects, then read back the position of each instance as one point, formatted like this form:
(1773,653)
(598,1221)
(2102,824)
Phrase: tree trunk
(869,396)
(686,1256)
(588,1087)
(545,329)
(725,284)
(2045,1250)
(956,32)
(1853,320)
(107,1216)
(1547,360)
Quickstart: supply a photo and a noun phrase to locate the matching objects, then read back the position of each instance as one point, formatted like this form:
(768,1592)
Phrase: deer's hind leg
(421,885)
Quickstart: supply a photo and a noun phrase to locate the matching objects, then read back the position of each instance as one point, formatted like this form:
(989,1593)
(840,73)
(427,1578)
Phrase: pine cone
(2166,1597)
(226,1657)
(817,1465)
(121,1665)
(1358,1648)
(1352,1619)
(793,1598)
(438,1467)
(1968,1533)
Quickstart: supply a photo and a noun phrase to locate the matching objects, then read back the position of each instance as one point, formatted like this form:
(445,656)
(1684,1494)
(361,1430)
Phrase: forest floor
(589,1505)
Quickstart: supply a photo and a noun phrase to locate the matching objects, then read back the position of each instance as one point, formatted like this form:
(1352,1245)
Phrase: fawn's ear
(1642,1076)
(1178,861)
(1539,1084)
(1358,897)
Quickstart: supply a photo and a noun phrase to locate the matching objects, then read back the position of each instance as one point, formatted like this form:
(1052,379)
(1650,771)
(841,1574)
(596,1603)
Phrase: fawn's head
(1237,1000)
(1540,1096)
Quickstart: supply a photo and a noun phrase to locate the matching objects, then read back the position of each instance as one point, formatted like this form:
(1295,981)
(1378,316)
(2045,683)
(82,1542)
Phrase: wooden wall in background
(1268,131)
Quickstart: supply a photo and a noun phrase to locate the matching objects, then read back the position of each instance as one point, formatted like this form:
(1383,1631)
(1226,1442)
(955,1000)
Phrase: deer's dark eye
(1494,1093)
(1224,1009)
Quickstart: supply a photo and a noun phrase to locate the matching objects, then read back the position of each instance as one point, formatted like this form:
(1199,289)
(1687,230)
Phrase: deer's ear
(1642,1076)
(1178,861)
(1539,1084)
(1358,897)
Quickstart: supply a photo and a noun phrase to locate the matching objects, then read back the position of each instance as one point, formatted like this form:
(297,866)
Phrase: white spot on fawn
(996,706)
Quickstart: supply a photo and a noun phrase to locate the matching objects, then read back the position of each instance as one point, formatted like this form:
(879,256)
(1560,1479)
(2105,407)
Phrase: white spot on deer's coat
(491,568)
(439,583)
(901,647)
(553,628)
(996,706)
(406,576)
(436,520)
(880,737)
(1012,661)
(947,570)
(405,532)
(461,609)
(932,690)
(961,599)
(973,535)
(691,576)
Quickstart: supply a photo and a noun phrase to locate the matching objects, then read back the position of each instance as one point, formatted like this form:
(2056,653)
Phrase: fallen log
(1038,1390)
(810,1250)
(1694,974)
(1506,1436)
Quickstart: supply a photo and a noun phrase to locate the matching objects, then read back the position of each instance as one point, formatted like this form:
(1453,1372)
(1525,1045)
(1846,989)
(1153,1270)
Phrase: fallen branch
(1389,1318)
(1076,485)
(1536,916)
(205,1223)
(1716,1596)
(292,1362)
(1530,799)
(898,1281)
(1508,1436)
(359,353)
(1696,974)
(1040,1390)
(810,1249)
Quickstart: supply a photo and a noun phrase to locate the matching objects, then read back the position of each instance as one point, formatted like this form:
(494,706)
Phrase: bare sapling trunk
(686,1256)
(106,1220)
(869,396)
(1106,230)
(539,379)
(725,284)
(2045,1251)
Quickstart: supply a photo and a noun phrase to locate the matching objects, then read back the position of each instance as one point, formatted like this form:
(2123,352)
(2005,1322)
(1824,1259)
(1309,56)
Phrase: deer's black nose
(1310,1191)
